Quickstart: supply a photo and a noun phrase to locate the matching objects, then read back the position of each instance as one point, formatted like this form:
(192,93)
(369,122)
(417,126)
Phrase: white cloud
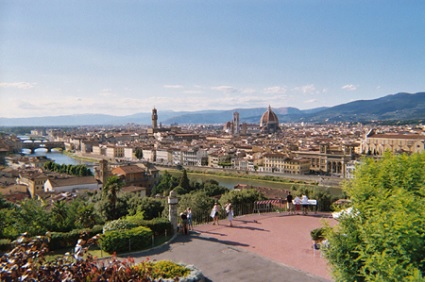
(275,90)
(19,85)
(248,91)
(311,101)
(306,89)
(349,87)
(225,89)
(173,86)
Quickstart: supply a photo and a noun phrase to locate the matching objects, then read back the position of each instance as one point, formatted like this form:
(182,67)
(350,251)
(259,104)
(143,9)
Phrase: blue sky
(125,57)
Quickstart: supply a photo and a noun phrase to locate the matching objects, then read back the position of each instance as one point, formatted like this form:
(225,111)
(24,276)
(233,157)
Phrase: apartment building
(281,163)
(34,180)
(376,144)
(114,151)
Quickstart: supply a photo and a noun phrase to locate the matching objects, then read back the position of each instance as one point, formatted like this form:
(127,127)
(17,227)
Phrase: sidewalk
(259,247)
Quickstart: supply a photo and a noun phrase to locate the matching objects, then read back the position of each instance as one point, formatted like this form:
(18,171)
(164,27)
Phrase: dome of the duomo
(269,122)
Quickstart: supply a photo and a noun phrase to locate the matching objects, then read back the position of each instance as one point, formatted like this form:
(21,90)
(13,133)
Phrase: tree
(383,238)
(151,207)
(86,215)
(110,195)
(184,181)
(200,204)
(31,216)
(138,153)
(60,221)
(165,185)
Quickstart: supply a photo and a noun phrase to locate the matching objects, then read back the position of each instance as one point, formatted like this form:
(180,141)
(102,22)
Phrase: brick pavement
(277,236)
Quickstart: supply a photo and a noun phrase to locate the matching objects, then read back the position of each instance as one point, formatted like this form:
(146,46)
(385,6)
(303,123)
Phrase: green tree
(184,181)
(59,217)
(86,215)
(383,238)
(165,185)
(110,197)
(151,207)
(138,153)
(31,216)
(242,197)
(200,203)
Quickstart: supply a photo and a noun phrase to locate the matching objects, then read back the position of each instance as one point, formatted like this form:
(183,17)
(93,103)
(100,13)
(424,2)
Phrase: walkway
(259,247)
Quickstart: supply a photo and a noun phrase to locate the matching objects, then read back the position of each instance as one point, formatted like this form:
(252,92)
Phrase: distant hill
(401,106)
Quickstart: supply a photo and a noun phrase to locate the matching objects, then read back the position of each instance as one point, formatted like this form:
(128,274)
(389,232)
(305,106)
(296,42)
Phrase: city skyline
(126,57)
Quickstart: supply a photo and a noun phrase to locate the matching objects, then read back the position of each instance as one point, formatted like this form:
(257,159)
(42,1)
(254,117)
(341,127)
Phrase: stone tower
(103,171)
(154,119)
(236,123)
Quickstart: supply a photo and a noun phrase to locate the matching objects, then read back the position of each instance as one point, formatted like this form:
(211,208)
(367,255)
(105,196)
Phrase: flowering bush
(26,262)
(162,269)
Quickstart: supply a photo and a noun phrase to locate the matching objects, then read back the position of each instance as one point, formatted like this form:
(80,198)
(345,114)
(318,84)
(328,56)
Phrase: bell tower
(236,126)
(154,118)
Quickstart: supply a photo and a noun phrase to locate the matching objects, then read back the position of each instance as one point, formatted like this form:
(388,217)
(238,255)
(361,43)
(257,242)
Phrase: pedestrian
(189,218)
(215,212)
(183,217)
(229,212)
(304,203)
(289,204)
(297,203)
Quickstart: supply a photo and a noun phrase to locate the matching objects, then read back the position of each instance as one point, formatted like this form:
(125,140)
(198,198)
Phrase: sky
(124,57)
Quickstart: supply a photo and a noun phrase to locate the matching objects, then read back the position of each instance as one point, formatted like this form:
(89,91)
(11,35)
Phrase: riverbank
(273,187)
(82,157)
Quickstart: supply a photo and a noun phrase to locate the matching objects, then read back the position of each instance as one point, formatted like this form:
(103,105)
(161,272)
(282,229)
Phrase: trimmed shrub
(118,224)
(64,240)
(159,226)
(121,241)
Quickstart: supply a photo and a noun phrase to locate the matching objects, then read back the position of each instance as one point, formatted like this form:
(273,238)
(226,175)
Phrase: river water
(56,156)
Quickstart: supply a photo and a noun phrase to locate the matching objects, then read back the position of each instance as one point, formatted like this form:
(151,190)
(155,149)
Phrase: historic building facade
(377,144)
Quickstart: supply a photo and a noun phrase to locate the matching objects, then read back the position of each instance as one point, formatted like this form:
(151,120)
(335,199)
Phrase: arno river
(58,157)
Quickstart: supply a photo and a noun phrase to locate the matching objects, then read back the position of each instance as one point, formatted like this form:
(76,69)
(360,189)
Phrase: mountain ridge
(399,106)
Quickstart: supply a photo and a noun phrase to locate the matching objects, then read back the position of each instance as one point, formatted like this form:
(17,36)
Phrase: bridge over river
(33,145)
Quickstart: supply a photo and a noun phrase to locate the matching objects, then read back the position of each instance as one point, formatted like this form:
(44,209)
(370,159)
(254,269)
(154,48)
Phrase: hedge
(64,240)
(129,240)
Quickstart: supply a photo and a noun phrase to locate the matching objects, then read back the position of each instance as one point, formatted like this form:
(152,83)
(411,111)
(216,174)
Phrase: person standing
(189,218)
(229,212)
(183,217)
(215,212)
(289,204)
(297,203)
(304,203)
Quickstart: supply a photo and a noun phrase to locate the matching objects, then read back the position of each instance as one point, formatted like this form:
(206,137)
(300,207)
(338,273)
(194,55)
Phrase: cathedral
(269,123)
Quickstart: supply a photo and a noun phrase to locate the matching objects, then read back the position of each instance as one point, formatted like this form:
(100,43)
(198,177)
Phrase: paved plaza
(259,247)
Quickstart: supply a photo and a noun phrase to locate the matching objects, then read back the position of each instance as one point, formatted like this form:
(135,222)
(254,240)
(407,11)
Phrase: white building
(71,184)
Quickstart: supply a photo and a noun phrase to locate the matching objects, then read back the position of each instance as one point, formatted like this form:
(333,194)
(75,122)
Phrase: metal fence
(239,210)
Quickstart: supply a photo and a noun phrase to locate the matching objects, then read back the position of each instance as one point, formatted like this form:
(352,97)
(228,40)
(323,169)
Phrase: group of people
(298,203)
(186,221)
(186,216)
(294,205)
(215,213)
